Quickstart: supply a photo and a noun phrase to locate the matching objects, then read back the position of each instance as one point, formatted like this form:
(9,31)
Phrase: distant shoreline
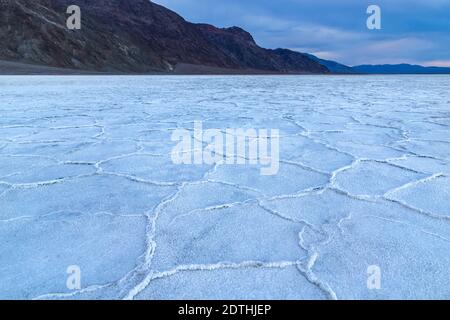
(11,68)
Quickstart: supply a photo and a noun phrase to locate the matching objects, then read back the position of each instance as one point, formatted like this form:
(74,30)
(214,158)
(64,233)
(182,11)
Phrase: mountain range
(400,69)
(139,36)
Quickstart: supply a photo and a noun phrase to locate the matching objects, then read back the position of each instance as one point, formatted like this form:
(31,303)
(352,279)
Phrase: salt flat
(87,179)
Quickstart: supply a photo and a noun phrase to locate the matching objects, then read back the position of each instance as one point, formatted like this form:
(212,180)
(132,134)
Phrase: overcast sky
(413,31)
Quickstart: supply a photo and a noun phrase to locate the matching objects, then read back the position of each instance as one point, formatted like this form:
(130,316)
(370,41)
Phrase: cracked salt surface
(86,179)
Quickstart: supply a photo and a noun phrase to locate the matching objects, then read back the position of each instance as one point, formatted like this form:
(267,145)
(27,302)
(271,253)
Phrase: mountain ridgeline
(134,36)
(139,36)
(400,69)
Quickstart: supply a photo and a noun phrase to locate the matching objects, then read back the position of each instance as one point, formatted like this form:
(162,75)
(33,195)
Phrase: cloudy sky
(413,31)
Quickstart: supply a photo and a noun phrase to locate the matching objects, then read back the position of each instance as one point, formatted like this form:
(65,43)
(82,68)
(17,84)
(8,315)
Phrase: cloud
(414,31)
(437,63)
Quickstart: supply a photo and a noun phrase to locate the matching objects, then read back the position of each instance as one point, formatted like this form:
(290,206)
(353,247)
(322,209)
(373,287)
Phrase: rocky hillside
(132,36)
(241,47)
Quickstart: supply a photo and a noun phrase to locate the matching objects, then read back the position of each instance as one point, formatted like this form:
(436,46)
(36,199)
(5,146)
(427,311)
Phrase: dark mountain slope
(242,48)
(333,66)
(131,36)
